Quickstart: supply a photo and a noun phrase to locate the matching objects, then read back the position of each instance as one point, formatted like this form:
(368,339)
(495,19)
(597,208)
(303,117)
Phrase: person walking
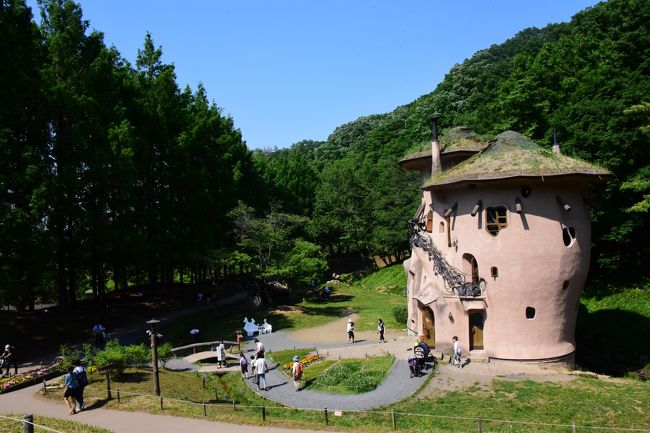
(70,390)
(259,348)
(260,370)
(99,332)
(296,372)
(9,358)
(81,377)
(350,329)
(380,330)
(243,364)
(221,354)
(455,360)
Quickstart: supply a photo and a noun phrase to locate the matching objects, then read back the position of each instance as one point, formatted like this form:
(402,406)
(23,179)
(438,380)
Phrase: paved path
(27,401)
(395,387)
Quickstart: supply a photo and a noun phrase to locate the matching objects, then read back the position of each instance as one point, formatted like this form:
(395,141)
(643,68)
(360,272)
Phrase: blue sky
(288,70)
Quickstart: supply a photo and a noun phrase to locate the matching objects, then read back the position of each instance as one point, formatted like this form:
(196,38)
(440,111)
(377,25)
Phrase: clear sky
(288,70)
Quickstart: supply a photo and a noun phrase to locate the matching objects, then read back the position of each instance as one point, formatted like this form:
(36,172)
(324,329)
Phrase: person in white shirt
(221,354)
(350,329)
(259,348)
(260,370)
(456,356)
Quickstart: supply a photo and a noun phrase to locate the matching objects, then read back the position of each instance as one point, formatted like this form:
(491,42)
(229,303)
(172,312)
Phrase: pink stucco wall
(532,260)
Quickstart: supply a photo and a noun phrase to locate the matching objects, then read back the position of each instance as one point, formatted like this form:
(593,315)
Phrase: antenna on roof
(434,126)
(435,146)
(556,146)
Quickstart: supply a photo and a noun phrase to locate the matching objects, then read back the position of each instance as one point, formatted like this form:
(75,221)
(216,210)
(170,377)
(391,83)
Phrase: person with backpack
(71,390)
(82,381)
(296,372)
(380,330)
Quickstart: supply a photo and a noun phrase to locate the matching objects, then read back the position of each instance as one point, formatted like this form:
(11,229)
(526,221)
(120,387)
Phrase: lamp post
(154,354)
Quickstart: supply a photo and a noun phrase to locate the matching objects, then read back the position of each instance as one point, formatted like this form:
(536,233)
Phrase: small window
(565,285)
(530,313)
(441,228)
(429,221)
(494,271)
(525,191)
(568,235)
(496,219)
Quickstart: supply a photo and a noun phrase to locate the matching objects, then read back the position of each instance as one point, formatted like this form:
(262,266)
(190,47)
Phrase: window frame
(501,221)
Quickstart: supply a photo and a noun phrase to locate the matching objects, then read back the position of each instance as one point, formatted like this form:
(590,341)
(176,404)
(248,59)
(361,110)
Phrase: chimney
(435,147)
(556,146)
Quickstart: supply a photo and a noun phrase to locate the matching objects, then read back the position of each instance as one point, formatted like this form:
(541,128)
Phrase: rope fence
(391,418)
(29,424)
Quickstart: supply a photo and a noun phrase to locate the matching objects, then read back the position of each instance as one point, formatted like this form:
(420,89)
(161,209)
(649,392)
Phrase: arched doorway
(476,320)
(428,326)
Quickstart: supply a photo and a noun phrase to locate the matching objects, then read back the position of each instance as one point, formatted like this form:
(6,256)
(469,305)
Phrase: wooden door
(476,331)
(429,327)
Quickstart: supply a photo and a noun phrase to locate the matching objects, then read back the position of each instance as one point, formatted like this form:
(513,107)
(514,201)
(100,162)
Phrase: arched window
(496,219)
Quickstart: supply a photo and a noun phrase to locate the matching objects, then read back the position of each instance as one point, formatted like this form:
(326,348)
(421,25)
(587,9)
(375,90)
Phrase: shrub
(136,355)
(165,353)
(400,314)
(113,354)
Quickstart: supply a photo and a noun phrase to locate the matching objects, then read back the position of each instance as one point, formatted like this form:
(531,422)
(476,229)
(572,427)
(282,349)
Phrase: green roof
(513,155)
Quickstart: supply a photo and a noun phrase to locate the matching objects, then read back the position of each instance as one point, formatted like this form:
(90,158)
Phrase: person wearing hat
(8,358)
(296,372)
(350,329)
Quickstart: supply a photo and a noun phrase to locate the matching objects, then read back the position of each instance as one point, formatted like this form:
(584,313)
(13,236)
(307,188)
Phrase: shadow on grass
(138,377)
(613,342)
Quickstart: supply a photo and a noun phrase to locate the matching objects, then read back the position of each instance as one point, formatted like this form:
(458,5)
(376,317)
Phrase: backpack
(82,379)
(298,373)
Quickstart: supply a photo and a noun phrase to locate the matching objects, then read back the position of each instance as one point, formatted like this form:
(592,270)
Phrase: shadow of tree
(612,342)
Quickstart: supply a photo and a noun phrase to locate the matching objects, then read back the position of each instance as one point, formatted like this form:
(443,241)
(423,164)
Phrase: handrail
(209,343)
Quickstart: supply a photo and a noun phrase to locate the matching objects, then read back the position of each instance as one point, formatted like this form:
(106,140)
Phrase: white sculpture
(265,328)
(250,327)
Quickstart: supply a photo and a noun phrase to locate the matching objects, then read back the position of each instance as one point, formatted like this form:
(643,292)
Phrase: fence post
(392,415)
(44,387)
(233,406)
(205,410)
(28,424)
(325,413)
(479,424)
(161,403)
(203,381)
(108,385)
(573,427)
(118,396)
(263,413)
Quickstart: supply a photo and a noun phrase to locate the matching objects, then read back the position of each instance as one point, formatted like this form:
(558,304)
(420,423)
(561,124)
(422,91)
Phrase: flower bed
(304,361)
(31,377)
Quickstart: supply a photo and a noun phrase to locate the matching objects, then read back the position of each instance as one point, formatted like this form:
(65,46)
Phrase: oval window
(530,313)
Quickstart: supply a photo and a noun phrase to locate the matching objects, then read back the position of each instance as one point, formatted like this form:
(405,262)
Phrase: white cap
(7,346)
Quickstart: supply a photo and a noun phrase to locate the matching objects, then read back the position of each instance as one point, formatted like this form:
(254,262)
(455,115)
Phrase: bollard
(118,396)
(28,424)
(263,413)
(205,410)
(392,415)
(479,424)
(161,403)
(325,413)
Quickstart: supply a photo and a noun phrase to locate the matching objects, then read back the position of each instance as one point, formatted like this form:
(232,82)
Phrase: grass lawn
(353,376)
(11,426)
(622,403)
(373,297)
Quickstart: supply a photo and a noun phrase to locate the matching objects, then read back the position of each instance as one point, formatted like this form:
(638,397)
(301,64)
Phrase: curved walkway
(396,386)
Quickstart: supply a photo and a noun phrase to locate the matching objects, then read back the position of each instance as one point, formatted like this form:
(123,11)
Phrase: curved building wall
(530,308)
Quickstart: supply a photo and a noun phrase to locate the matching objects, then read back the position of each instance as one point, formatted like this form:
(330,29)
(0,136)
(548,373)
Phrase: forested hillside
(111,175)
(587,79)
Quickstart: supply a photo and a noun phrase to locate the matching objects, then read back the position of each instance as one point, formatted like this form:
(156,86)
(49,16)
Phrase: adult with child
(8,358)
(296,372)
(260,370)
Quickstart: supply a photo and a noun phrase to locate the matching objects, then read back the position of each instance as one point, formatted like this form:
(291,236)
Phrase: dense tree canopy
(112,175)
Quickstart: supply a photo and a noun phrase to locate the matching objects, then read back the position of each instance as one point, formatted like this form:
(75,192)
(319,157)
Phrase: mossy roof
(456,139)
(513,155)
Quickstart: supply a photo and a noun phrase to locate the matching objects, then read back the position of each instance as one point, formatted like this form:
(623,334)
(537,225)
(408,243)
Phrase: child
(243,363)
(296,372)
